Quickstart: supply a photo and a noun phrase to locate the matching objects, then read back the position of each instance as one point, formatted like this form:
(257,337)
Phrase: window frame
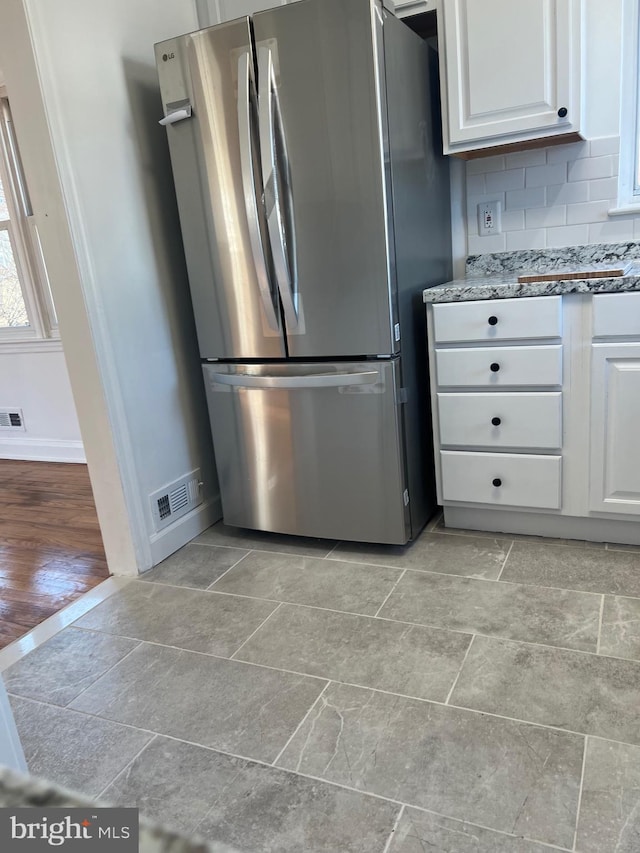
(25,242)
(629,171)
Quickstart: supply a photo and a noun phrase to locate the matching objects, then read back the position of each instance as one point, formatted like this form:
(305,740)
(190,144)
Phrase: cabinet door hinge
(406,497)
(402,395)
(396,331)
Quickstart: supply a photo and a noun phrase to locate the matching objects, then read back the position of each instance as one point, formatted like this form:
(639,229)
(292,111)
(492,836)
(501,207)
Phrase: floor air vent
(176,499)
(11,419)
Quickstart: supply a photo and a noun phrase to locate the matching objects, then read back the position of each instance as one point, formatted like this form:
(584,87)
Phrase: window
(26,306)
(629,177)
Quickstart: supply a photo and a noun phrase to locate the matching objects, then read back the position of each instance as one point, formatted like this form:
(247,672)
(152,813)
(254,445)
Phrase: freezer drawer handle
(246,87)
(292,383)
(278,191)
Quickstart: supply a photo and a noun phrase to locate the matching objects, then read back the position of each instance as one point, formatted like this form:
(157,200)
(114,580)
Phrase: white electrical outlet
(489,218)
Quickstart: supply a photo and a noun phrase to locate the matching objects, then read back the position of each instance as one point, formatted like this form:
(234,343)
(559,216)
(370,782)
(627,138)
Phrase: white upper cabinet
(212,12)
(510,71)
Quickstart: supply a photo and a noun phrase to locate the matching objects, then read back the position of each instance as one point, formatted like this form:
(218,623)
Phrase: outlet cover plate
(489,218)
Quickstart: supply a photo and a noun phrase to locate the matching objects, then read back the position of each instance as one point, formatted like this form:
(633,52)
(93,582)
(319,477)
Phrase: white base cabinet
(615,428)
(553,445)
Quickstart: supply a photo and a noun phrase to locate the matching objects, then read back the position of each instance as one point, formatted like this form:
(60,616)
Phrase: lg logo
(166,56)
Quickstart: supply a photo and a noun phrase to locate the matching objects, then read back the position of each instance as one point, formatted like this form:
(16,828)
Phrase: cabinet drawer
(501,479)
(616,314)
(501,420)
(498,319)
(497,366)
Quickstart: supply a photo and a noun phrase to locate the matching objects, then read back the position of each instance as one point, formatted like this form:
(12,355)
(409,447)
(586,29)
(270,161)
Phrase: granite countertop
(495,276)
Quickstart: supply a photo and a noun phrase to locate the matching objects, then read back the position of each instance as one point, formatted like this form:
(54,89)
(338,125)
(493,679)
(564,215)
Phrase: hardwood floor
(50,543)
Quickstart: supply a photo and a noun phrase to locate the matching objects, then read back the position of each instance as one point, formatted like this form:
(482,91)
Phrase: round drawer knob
(497,482)
(496,421)
(495,367)
(562,112)
(493,320)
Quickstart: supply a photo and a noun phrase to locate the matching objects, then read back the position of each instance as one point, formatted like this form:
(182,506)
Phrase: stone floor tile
(238,537)
(514,611)
(236,707)
(409,659)
(189,619)
(65,665)
(610,805)
(195,566)
(423,832)
(584,569)
(81,753)
(478,557)
(620,633)
(505,775)
(250,806)
(570,690)
(520,537)
(305,580)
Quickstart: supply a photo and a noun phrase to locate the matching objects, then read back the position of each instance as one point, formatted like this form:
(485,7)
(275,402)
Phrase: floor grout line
(389,594)
(455,680)
(247,547)
(326,556)
(443,704)
(600,627)
(398,569)
(394,828)
(127,766)
(253,633)
(272,766)
(428,626)
(584,763)
(300,724)
(130,652)
(506,559)
(237,563)
(529,539)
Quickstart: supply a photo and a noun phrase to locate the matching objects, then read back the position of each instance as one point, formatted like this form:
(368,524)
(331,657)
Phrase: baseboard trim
(591,529)
(41,449)
(168,541)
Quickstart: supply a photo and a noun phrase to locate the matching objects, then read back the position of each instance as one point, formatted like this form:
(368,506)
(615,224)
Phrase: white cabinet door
(216,11)
(511,70)
(615,428)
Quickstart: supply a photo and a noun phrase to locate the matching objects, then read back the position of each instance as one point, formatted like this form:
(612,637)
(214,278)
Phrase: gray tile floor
(468,694)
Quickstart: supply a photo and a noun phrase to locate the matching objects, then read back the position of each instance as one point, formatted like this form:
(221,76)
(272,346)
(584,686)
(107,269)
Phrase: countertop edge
(476,289)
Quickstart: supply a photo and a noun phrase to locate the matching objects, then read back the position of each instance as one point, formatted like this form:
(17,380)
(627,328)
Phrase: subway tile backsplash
(551,197)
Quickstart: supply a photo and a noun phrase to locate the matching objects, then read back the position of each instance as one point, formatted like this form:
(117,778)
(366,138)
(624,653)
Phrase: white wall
(561,195)
(136,377)
(38,383)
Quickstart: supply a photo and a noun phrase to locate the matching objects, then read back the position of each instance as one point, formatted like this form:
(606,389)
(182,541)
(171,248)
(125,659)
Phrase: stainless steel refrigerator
(314,206)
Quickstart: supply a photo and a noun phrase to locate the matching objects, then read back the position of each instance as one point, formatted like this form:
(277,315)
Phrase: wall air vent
(11,419)
(176,499)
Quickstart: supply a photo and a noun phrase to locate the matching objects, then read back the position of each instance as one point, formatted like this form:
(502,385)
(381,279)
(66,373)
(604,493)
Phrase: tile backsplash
(555,196)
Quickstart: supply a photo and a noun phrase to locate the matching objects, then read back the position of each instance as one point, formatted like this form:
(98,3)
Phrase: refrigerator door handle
(278,194)
(291,383)
(246,88)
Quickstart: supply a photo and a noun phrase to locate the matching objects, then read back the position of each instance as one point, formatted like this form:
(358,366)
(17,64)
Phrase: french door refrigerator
(314,207)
